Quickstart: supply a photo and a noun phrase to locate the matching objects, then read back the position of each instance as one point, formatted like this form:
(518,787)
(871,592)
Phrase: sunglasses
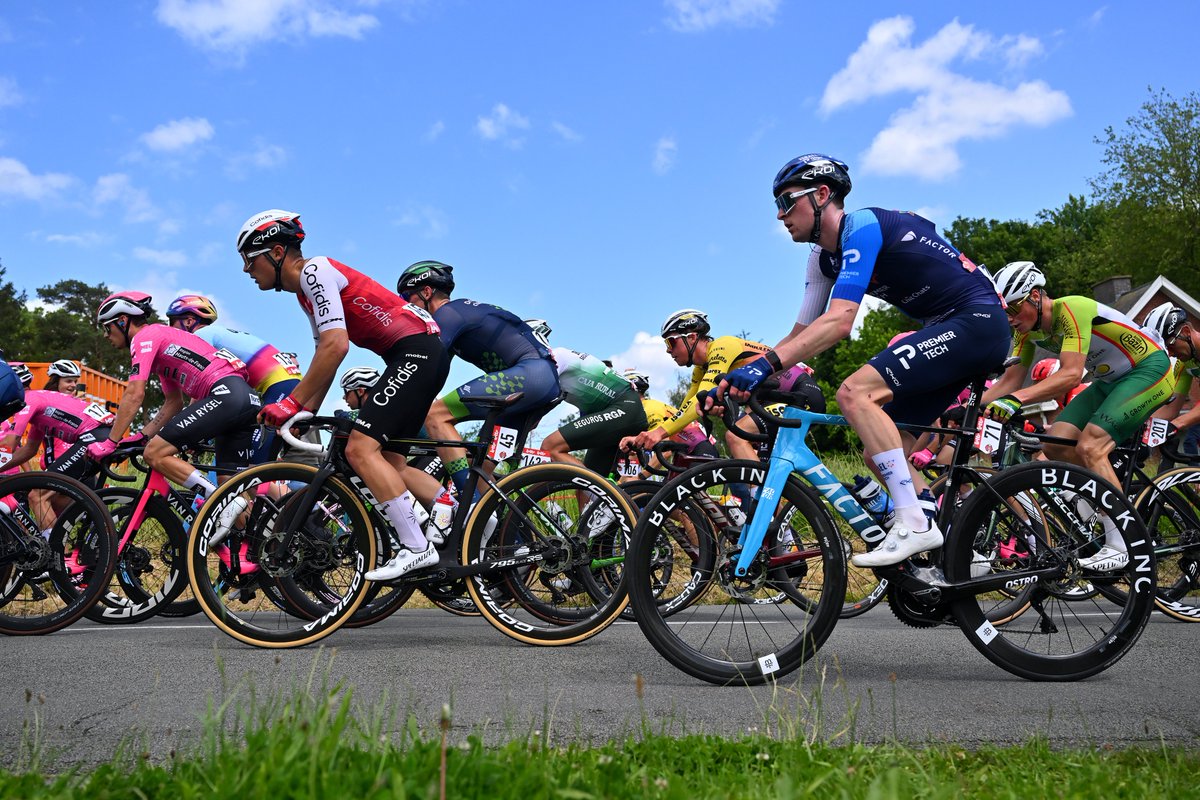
(787,201)
(670,340)
(248,258)
(1012,309)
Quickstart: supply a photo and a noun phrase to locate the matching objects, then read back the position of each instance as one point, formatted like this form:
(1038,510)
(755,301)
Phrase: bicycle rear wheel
(531,560)
(1171,510)
(49,583)
(750,629)
(264,588)
(1065,635)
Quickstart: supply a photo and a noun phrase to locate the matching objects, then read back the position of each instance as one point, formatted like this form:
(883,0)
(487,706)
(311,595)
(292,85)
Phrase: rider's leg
(365,456)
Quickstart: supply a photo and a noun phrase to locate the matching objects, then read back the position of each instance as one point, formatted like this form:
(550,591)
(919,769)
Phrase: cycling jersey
(1182,373)
(898,257)
(337,297)
(725,353)
(586,382)
(1112,342)
(62,415)
(487,336)
(182,361)
(265,365)
(658,412)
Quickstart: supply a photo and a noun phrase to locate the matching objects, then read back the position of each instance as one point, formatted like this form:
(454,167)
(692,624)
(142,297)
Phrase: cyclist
(62,376)
(345,306)
(1131,377)
(694,436)
(272,374)
(73,422)
(898,257)
(222,407)
(609,408)
(493,339)
(1171,323)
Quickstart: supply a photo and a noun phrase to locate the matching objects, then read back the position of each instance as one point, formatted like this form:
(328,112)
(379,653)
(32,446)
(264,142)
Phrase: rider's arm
(804,342)
(173,403)
(28,448)
(131,403)
(1192,416)
(332,348)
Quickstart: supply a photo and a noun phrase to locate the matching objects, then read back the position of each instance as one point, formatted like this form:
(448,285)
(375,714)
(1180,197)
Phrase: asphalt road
(875,680)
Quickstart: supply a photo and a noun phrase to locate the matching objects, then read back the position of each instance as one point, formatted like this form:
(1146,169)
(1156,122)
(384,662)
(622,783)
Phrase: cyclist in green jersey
(1181,339)
(1130,372)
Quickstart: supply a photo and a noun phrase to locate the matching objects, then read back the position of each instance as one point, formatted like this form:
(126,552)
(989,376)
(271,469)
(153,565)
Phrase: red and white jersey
(182,361)
(61,414)
(336,296)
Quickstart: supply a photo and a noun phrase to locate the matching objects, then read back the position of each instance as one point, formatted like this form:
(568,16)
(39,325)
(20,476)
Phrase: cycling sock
(893,468)
(459,469)
(198,481)
(1112,536)
(418,510)
(399,512)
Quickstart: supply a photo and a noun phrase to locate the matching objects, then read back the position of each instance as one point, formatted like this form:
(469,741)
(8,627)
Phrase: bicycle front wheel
(51,579)
(744,629)
(1171,509)
(1060,512)
(529,556)
(269,588)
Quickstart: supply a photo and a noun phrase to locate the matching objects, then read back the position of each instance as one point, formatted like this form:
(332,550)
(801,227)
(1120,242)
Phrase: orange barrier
(99,388)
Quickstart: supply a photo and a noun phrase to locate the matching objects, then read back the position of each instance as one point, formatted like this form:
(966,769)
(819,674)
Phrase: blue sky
(595,164)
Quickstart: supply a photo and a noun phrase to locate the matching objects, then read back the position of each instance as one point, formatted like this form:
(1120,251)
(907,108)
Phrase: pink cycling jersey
(182,361)
(336,296)
(60,414)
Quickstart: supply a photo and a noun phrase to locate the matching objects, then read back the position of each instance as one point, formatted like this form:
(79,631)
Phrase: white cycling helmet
(359,378)
(541,330)
(64,368)
(21,370)
(684,321)
(639,380)
(1166,320)
(1016,280)
(135,304)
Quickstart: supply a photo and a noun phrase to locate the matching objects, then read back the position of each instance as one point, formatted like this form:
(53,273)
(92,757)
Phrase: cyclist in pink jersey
(223,405)
(345,306)
(76,423)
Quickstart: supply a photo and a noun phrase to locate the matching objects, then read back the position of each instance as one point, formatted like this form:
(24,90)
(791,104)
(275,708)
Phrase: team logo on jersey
(908,237)
(220,389)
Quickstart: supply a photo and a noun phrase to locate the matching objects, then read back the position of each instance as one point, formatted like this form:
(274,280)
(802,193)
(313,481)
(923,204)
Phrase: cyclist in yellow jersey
(1130,371)
(686,335)
(693,436)
(1182,342)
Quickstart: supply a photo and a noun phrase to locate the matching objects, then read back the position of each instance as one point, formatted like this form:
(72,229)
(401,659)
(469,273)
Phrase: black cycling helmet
(426,273)
(808,172)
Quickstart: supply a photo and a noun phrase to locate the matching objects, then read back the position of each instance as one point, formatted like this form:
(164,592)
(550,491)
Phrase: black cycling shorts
(416,370)
(74,462)
(601,432)
(228,414)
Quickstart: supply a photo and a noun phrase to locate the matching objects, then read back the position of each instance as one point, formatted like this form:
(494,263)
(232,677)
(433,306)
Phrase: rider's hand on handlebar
(1002,409)
(281,411)
(101,449)
(133,440)
(644,440)
(921,458)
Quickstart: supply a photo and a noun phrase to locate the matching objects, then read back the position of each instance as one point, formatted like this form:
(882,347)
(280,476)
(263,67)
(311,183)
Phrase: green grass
(315,741)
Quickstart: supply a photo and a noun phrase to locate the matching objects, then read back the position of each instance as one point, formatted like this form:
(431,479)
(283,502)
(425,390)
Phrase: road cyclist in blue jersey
(898,257)
(493,339)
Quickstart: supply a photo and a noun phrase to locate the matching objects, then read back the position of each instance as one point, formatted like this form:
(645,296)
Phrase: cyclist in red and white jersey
(344,306)
(223,406)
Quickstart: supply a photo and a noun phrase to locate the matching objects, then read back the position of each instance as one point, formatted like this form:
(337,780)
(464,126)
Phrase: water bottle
(872,496)
(441,518)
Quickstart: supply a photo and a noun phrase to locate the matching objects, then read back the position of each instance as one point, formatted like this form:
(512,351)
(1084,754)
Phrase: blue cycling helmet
(811,169)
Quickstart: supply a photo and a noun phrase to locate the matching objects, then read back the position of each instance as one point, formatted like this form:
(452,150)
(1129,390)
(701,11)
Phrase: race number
(504,443)
(987,438)
(1155,433)
(98,412)
(531,456)
(629,466)
(233,360)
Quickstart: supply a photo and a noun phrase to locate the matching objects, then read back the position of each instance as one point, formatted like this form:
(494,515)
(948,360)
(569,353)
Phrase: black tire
(49,584)
(740,632)
(319,579)
(1170,508)
(522,600)
(151,570)
(1062,637)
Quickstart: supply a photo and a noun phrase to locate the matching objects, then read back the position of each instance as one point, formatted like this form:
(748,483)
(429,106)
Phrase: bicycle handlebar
(285,432)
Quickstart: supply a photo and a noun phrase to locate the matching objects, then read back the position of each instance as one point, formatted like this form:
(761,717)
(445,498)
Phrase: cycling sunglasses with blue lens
(787,201)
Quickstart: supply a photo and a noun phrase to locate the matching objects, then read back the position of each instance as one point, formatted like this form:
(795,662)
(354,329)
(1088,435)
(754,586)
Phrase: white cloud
(234,25)
(646,353)
(566,133)
(435,131)
(162,258)
(429,222)
(178,134)
(117,189)
(502,121)
(10,95)
(693,16)
(86,239)
(263,156)
(949,108)
(1097,16)
(664,155)
(17,181)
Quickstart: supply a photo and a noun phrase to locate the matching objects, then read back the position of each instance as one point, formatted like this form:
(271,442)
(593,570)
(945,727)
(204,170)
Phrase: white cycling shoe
(404,562)
(899,544)
(1107,560)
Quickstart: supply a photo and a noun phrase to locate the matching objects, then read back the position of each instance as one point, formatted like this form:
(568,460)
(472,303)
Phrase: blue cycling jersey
(487,336)
(899,257)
